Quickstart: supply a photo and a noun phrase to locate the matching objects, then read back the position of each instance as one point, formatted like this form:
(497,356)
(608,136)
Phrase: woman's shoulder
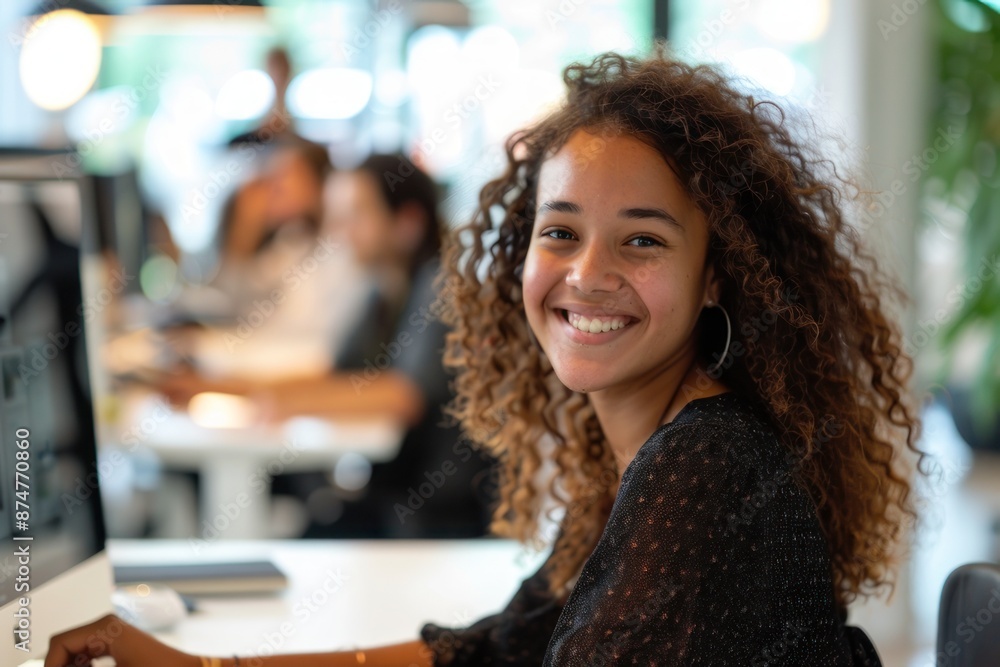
(723,450)
(725,435)
(732,407)
(730,417)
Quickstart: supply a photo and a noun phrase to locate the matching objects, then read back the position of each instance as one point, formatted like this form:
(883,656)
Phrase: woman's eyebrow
(637,213)
(560,206)
(654,213)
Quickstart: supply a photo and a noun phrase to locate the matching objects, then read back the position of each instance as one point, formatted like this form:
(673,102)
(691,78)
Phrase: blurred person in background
(272,218)
(277,122)
(281,200)
(389,366)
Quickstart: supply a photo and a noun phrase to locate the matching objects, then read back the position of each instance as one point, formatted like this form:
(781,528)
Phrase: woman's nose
(593,269)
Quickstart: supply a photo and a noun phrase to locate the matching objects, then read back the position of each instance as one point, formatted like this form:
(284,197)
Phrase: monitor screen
(49,497)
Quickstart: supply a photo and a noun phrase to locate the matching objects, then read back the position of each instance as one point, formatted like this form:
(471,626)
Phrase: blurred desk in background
(342,594)
(237,463)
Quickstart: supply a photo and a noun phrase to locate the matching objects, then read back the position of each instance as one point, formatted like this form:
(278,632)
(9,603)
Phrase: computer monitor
(54,570)
(122,221)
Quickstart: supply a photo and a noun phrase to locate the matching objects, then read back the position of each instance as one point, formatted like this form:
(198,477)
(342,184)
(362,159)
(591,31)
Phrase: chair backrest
(863,653)
(969,617)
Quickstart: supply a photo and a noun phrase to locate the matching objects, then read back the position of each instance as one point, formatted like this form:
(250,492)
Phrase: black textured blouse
(712,555)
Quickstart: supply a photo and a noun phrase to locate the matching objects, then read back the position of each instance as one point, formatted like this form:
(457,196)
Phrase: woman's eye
(647,241)
(558,231)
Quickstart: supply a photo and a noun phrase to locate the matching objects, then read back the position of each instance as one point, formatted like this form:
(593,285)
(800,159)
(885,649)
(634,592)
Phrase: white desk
(236,464)
(382,591)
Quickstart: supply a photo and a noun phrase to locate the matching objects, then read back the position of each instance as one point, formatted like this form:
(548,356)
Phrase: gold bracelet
(360,657)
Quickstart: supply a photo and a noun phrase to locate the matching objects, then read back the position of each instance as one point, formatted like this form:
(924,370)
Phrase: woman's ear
(713,285)
(411,227)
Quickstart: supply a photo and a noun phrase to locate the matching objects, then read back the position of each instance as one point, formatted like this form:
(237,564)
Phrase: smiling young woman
(664,284)
(662,297)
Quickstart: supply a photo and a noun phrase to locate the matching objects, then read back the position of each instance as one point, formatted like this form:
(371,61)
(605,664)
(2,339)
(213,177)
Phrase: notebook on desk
(207,578)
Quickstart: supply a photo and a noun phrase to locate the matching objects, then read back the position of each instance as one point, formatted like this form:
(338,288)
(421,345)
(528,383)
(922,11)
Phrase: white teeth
(595,325)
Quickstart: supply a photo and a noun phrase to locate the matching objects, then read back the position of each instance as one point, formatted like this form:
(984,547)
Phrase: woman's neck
(629,417)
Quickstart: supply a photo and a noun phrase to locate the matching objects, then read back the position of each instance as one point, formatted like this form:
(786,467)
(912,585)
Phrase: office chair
(969,617)
(862,649)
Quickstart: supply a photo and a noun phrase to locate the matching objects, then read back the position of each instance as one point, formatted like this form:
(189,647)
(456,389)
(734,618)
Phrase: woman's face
(359,210)
(617,248)
(295,191)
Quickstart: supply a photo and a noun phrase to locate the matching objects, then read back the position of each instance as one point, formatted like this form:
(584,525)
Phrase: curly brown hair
(817,349)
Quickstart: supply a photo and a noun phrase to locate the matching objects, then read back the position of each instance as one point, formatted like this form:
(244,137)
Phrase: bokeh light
(60,59)
(332,93)
(247,94)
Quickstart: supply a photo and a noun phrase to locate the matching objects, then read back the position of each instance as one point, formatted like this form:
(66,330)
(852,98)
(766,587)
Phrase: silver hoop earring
(729,330)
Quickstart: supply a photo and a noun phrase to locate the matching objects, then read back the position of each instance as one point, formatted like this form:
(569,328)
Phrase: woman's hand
(111,636)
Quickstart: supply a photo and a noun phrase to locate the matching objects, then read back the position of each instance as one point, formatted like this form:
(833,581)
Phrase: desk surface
(342,594)
(236,463)
(175,437)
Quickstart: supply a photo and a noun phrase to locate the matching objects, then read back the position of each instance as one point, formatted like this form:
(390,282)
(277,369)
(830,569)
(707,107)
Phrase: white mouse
(149,608)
